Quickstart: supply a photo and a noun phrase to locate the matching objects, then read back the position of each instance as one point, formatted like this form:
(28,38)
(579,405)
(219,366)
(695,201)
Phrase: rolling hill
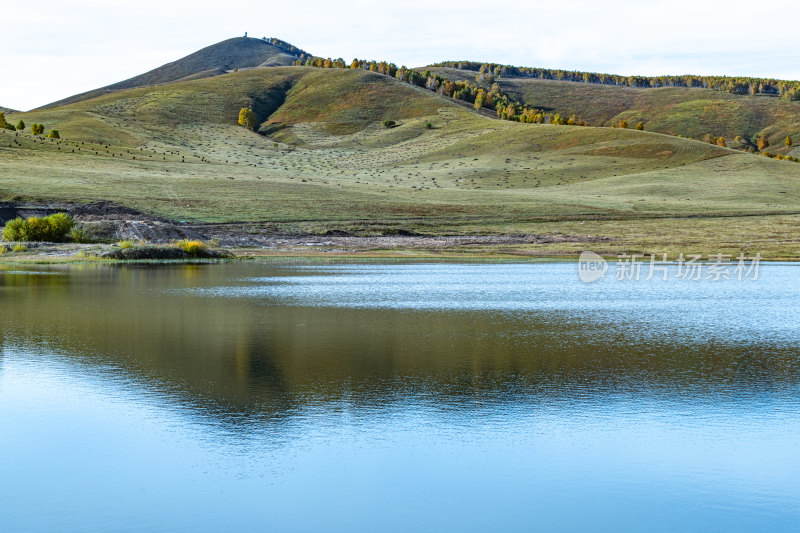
(325,163)
(689,112)
(236,53)
(7,110)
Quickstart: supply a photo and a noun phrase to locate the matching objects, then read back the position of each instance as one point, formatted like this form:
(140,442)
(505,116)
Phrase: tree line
(479,94)
(36,129)
(283,45)
(786,89)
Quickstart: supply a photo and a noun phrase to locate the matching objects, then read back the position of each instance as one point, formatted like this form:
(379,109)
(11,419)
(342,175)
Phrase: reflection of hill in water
(239,359)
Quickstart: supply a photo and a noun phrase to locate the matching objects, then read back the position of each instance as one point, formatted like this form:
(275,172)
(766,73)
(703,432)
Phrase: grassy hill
(325,163)
(690,112)
(7,110)
(236,53)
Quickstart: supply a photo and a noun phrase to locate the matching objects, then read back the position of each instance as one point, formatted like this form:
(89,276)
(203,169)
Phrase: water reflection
(462,374)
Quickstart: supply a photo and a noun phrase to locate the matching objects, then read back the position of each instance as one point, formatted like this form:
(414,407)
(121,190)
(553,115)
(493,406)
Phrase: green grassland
(324,162)
(691,113)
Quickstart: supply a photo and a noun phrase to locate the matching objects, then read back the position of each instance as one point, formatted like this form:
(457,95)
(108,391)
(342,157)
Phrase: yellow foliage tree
(640,126)
(480,98)
(247,118)
(721,142)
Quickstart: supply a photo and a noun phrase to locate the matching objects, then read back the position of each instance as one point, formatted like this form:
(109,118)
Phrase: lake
(396,397)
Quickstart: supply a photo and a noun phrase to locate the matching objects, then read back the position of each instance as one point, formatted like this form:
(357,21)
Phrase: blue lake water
(396,397)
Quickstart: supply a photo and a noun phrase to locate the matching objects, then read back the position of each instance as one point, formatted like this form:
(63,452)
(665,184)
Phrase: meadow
(325,163)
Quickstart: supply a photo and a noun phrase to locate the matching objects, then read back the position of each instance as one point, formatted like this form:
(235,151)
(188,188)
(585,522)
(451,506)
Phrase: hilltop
(219,58)
(322,162)
(7,110)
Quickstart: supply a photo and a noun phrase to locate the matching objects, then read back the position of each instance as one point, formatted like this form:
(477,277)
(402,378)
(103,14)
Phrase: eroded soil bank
(107,223)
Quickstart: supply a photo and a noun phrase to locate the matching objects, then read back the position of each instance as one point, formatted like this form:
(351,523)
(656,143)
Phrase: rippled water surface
(396,397)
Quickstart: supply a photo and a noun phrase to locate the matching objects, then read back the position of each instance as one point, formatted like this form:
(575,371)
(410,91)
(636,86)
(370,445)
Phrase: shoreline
(52,253)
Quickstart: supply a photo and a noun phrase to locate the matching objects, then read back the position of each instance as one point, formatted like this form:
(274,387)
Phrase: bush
(19,248)
(428,126)
(54,134)
(389,123)
(79,235)
(53,228)
(193,248)
(3,250)
(14,230)
(126,244)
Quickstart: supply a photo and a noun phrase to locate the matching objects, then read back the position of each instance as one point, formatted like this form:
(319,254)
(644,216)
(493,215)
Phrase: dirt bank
(109,222)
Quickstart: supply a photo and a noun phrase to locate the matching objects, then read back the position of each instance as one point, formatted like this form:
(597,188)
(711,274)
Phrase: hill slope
(325,163)
(7,110)
(690,112)
(236,53)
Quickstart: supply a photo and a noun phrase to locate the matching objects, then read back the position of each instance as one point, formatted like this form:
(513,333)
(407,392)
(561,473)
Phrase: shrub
(192,247)
(61,225)
(54,134)
(428,125)
(3,250)
(53,228)
(389,123)
(640,126)
(128,243)
(79,235)
(19,248)
(762,143)
(14,230)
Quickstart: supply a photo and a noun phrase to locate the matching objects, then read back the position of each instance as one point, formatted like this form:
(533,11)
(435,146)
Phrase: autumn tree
(763,143)
(721,142)
(788,141)
(247,118)
(21,125)
(640,126)
(3,123)
(54,134)
(480,98)
(623,123)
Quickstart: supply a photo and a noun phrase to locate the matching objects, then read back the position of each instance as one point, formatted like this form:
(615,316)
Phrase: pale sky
(54,48)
